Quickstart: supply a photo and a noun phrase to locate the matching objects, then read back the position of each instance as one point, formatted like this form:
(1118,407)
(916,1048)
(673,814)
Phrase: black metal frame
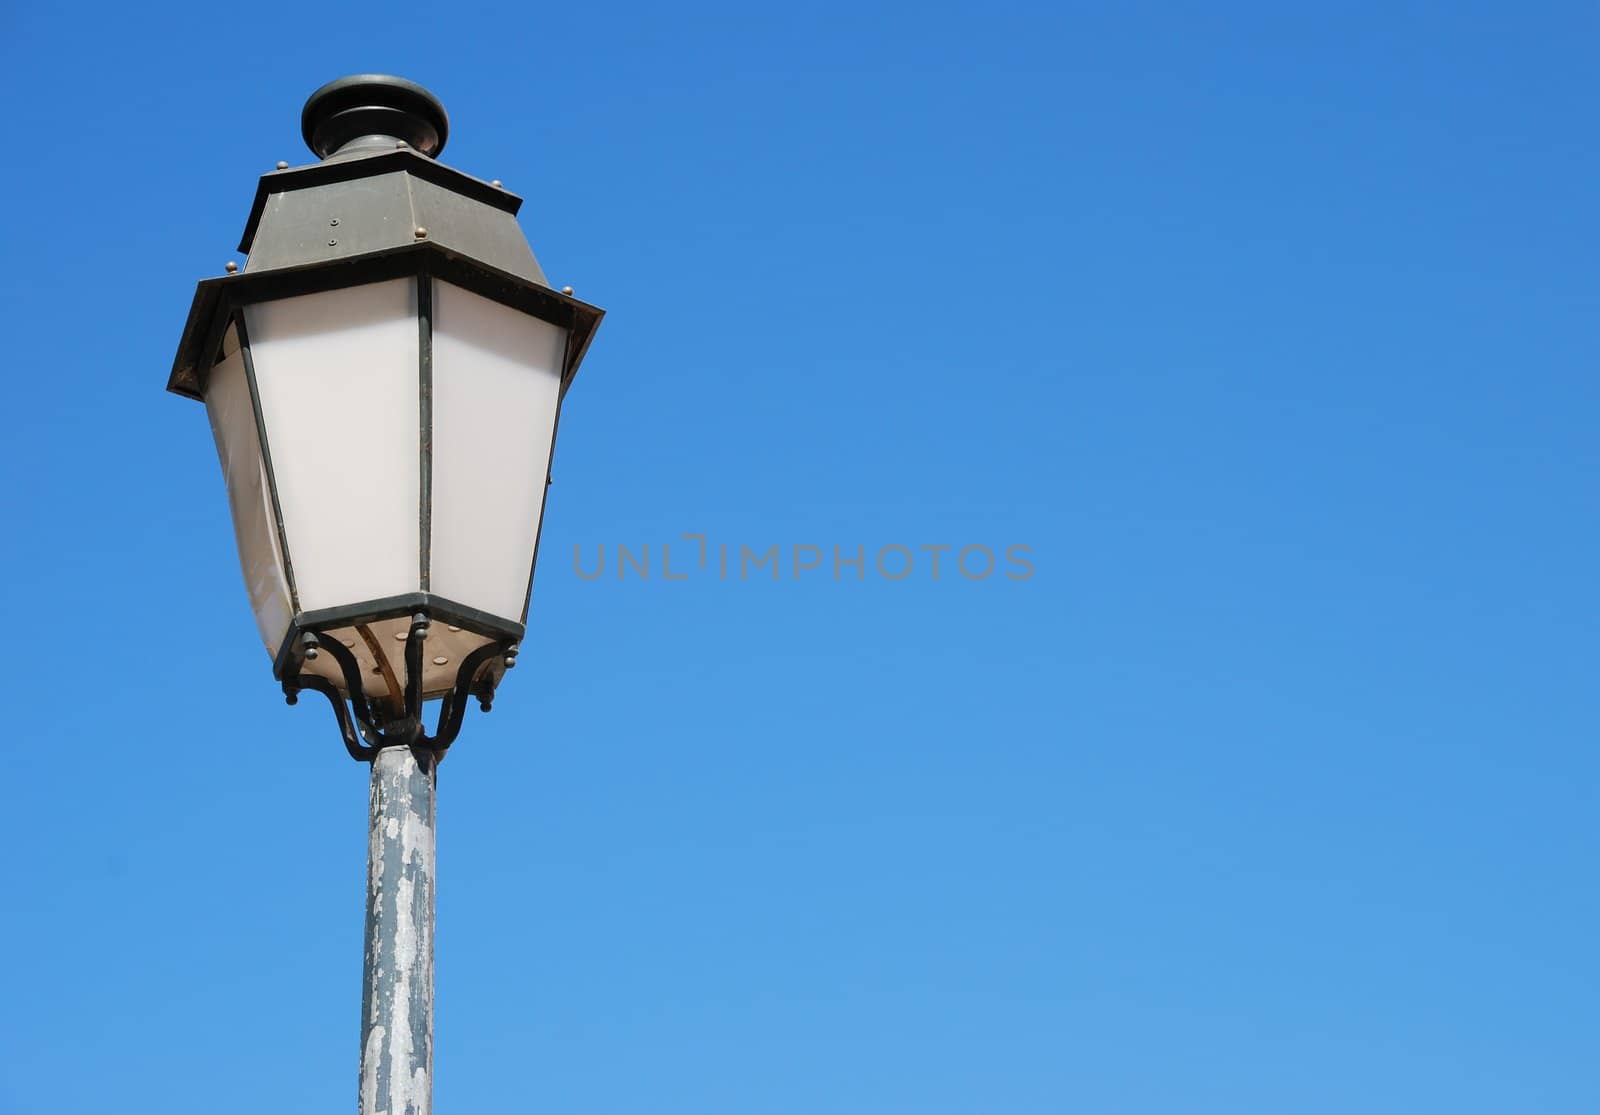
(369,725)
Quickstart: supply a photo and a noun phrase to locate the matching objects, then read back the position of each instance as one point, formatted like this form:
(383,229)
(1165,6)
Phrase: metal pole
(397,995)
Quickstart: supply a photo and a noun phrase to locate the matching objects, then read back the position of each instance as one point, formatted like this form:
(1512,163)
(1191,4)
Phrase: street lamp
(383,381)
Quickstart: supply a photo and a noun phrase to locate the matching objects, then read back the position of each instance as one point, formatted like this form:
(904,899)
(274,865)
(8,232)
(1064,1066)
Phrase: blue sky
(1271,333)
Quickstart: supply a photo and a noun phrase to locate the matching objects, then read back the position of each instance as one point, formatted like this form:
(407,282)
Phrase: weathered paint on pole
(397,997)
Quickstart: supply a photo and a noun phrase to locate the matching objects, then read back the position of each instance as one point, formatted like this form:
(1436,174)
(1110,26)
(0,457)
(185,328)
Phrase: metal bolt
(230,267)
(566,290)
(399,143)
(511,661)
(497,184)
(420,233)
(334,223)
(291,698)
(332,243)
(282,165)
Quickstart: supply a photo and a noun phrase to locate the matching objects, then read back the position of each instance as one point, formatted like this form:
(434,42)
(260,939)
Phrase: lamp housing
(384,381)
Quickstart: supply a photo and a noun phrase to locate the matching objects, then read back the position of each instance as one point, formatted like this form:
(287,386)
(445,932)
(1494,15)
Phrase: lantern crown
(379,186)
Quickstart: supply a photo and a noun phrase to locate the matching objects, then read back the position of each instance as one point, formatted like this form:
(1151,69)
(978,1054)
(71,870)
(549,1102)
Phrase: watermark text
(693,555)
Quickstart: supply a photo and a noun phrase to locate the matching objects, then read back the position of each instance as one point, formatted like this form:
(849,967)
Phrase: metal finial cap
(373,105)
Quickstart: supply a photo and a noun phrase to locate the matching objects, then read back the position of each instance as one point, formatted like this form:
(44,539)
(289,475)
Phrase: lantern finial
(366,113)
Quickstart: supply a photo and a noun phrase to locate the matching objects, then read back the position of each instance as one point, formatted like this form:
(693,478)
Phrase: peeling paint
(397,1000)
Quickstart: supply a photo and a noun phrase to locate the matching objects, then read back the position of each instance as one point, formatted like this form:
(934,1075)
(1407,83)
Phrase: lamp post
(383,381)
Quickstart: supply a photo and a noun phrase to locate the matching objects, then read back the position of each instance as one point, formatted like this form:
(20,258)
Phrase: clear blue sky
(1272,333)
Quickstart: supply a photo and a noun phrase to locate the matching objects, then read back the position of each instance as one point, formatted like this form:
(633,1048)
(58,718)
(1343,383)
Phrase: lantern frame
(219,304)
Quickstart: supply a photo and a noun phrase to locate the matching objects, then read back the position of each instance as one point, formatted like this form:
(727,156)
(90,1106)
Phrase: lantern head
(384,380)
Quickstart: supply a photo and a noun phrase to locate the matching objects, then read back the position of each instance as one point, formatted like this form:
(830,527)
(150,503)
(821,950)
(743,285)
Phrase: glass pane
(337,374)
(233,424)
(496,381)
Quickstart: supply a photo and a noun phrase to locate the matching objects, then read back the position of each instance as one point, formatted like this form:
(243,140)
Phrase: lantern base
(393,716)
(457,630)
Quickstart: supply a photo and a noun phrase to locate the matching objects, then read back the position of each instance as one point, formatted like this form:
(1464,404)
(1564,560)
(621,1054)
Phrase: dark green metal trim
(425,425)
(544,496)
(349,170)
(365,166)
(226,294)
(266,459)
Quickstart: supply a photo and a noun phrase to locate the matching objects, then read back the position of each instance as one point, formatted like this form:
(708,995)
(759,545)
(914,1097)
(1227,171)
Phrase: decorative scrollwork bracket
(368,725)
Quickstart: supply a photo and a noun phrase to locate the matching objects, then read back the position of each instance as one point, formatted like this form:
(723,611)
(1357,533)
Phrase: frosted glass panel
(496,381)
(233,424)
(338,378)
